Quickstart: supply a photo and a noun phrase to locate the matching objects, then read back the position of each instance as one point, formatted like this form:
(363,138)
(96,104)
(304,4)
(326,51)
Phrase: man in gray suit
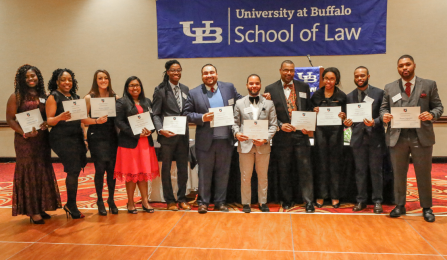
(412,91)
(254,151)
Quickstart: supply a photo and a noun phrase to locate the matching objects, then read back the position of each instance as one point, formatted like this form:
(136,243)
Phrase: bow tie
(252,99)
(290,85)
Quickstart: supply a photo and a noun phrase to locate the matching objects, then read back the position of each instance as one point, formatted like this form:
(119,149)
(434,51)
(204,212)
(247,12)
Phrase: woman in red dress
(35,187)
(136,161)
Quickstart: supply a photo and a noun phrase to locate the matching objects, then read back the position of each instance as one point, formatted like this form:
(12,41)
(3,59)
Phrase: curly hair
(52,84)
(20,86)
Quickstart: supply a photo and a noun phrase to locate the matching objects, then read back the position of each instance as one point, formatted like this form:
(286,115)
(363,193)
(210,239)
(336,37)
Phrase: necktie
(212,89)
(177,97)
(363,95)
(254,99)
(408,88)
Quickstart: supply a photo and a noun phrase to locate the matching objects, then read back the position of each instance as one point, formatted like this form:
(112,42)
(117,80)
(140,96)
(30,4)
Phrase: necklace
(67,97)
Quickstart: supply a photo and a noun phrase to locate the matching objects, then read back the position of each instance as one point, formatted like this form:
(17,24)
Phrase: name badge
(397,98)
(184,96)
(248,110)
(231,102)
(368,100)
(303,95)
(42,100)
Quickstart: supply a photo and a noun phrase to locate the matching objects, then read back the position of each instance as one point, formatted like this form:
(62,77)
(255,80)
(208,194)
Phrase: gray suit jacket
(266,111)
(425,94)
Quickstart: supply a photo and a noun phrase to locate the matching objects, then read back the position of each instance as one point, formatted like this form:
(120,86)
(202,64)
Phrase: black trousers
(300,155)
(369,156)
(329,144)
(178,152)
(214,168)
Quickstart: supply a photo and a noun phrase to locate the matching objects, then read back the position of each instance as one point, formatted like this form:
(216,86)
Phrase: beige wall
(121,36)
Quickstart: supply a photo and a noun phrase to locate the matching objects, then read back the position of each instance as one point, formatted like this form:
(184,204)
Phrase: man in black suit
(292,145)
(367,141)
(169,100)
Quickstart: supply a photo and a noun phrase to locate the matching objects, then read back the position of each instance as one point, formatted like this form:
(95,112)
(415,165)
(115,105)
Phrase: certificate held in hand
(140,121)
(405,117)
(223,116)
(329,116)
(359,111)
(304,120)
(77,109)
(103,107)
(30,119)
(175,124)
(256,129)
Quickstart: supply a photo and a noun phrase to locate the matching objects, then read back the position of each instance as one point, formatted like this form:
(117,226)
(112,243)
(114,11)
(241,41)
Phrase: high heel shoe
(112,207)
(101,208)
(75,214)
(148,210)
(318,204)
(41,221)
(131,211)
(44,215)
(336,206)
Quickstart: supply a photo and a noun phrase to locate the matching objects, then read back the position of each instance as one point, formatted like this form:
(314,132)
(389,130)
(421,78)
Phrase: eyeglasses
(288,71)
(135,86)
(177,70)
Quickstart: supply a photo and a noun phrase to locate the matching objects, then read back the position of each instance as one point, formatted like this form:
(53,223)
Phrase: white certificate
(405,117)
(175,124)
(139,121)
(222,116)
(304,120)
(30,119)
(329,116)
(77,108)
(359,111)
(256,129)
(103,107)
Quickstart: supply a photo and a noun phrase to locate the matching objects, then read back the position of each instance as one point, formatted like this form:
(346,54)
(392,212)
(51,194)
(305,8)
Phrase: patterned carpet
(87,195)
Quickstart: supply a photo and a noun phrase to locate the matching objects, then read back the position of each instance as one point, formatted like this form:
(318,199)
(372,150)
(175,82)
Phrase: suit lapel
(223,92)
(356,96)
(414,99)
(171,98)
(401,91)
(260,105)
(247,104)
(205,97)
(297,93)
(280,92)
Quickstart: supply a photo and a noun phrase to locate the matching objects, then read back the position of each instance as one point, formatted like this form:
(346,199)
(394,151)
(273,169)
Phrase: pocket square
(423,95)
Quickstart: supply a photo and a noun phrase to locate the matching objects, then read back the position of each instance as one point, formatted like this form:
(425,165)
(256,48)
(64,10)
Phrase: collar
(209,88)
(366,90)
(290,83)
(172,85)
(413,81)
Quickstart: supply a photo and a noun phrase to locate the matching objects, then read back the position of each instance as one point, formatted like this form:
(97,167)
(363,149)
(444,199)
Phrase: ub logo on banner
(309,75)
(202,32)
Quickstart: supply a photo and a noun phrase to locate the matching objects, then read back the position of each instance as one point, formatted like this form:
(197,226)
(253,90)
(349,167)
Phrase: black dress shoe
(398,211)
(221,207)
(310,207)
(246,208)
(360,206)
(428,215)
(286,206)
(44,215)
(40,221)
(203,209)
(264,208)
(378,208)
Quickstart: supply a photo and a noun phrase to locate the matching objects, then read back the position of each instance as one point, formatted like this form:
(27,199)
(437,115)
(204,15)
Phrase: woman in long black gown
(66,138)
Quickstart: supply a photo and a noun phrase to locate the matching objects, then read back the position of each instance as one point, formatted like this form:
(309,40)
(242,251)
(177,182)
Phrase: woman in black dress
(66,138)
(102,141)
(35,187)
(329,139)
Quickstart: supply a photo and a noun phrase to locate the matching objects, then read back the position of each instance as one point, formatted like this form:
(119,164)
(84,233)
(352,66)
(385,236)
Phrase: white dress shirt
(287,90)
(412,81)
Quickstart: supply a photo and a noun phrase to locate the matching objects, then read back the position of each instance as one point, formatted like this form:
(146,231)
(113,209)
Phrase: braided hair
(52,84)
(20,86)
(168,65)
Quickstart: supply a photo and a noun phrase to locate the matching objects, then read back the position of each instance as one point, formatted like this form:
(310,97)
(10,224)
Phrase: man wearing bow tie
(292,145)
(254,151)
(411,91)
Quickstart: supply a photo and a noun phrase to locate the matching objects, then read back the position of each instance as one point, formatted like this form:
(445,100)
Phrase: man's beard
(364,84)
(253,93)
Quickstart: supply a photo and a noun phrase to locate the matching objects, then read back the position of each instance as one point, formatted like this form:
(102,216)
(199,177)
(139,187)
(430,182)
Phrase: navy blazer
(125,108)
(199,104)
(376,133)
(165,104)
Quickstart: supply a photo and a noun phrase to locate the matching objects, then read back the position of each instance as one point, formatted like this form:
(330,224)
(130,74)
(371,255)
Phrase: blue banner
(243,28)
(309,75)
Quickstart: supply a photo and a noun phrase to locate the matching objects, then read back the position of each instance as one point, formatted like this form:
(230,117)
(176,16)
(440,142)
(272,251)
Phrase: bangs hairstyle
(126,86)
(57,74)
(95,87)
(336,73)
(20,86)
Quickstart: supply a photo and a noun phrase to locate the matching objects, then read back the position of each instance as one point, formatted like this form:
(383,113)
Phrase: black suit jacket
(276,91)
(376,133)
(125,108)
(165,104)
